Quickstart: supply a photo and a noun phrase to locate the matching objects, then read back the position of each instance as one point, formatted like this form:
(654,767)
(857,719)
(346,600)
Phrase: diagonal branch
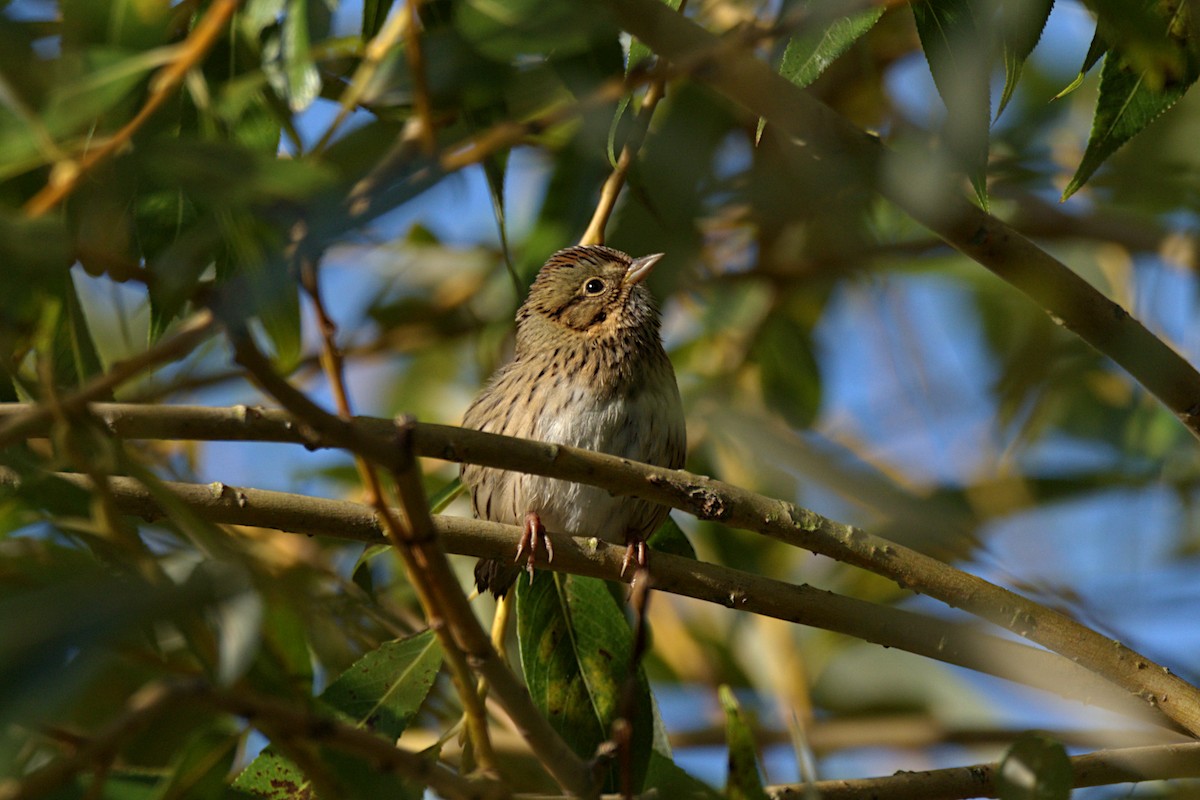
(425,561)
(948,642)
(1100,768)
(704,497)
(818,132)
(65,177)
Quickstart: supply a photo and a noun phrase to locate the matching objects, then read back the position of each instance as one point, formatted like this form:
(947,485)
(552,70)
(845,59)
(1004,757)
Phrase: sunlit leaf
(292,70)
(1096,49)
(1130,100)
(576,649)
(375,13)
(810,52)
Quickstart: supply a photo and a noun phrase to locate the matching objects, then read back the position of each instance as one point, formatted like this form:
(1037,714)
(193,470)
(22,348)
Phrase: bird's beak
(640,268)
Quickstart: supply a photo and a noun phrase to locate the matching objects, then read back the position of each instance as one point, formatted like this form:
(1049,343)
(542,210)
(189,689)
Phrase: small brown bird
(589,371)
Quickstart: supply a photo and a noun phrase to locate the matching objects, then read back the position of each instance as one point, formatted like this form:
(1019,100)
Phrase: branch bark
(1101,768)
(704,497)
(948,642)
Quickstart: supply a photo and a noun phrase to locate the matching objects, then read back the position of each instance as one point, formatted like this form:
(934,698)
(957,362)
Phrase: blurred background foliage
(829,351)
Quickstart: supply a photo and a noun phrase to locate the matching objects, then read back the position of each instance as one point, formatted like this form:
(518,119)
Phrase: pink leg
(533,537)
(636,552)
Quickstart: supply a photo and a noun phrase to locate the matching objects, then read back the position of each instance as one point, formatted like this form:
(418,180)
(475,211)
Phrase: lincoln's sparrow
(589,371)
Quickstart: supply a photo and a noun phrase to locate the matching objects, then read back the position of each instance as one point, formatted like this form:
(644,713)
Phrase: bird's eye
(594,286)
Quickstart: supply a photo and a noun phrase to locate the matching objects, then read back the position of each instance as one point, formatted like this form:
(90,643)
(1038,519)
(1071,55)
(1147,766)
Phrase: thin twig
(616,179)
(183,341)
(415,54)
(376,50)
(427,566)
(930,637)
(460,672)
(142,708)
(66,175)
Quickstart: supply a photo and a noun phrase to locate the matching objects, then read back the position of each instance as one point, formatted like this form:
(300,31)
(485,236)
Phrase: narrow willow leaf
(1021,26)
(810,52)
(85,362)
(1125,106)
(1035,768)
(375,13)
(576,647)
(445,496)
(1097,48)
(951,37)
(303,81)
(743,781)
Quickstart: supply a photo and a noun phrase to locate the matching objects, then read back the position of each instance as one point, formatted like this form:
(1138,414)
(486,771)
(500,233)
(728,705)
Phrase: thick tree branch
(819,132)
(1101,768)
(951,643)
(699,495)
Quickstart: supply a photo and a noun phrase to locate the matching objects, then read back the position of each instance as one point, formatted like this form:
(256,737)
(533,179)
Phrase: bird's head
(591,291)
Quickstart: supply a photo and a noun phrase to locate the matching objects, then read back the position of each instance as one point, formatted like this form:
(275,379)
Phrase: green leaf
(445,496)
(1097,48)
(293,72)
(381,691)
(788,370)
(1130,99)
(639,52)
(810,52)
(75,355)
(375,13)
(743,781)
(670,539)
(673,781)
(280,316)
(1035,768)
(132,24)
(516,28)
(1021,25)
(960,60)
(200,767)
(576,648)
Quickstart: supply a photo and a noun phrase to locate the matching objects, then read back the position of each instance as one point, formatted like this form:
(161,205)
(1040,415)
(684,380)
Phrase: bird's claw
(635,553)
(533,537)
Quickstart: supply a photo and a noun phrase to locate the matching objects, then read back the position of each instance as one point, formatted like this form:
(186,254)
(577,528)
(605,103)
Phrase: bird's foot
(533,537)
(636,553)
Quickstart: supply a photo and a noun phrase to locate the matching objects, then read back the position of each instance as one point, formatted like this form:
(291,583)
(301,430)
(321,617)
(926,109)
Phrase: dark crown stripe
(590,253)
